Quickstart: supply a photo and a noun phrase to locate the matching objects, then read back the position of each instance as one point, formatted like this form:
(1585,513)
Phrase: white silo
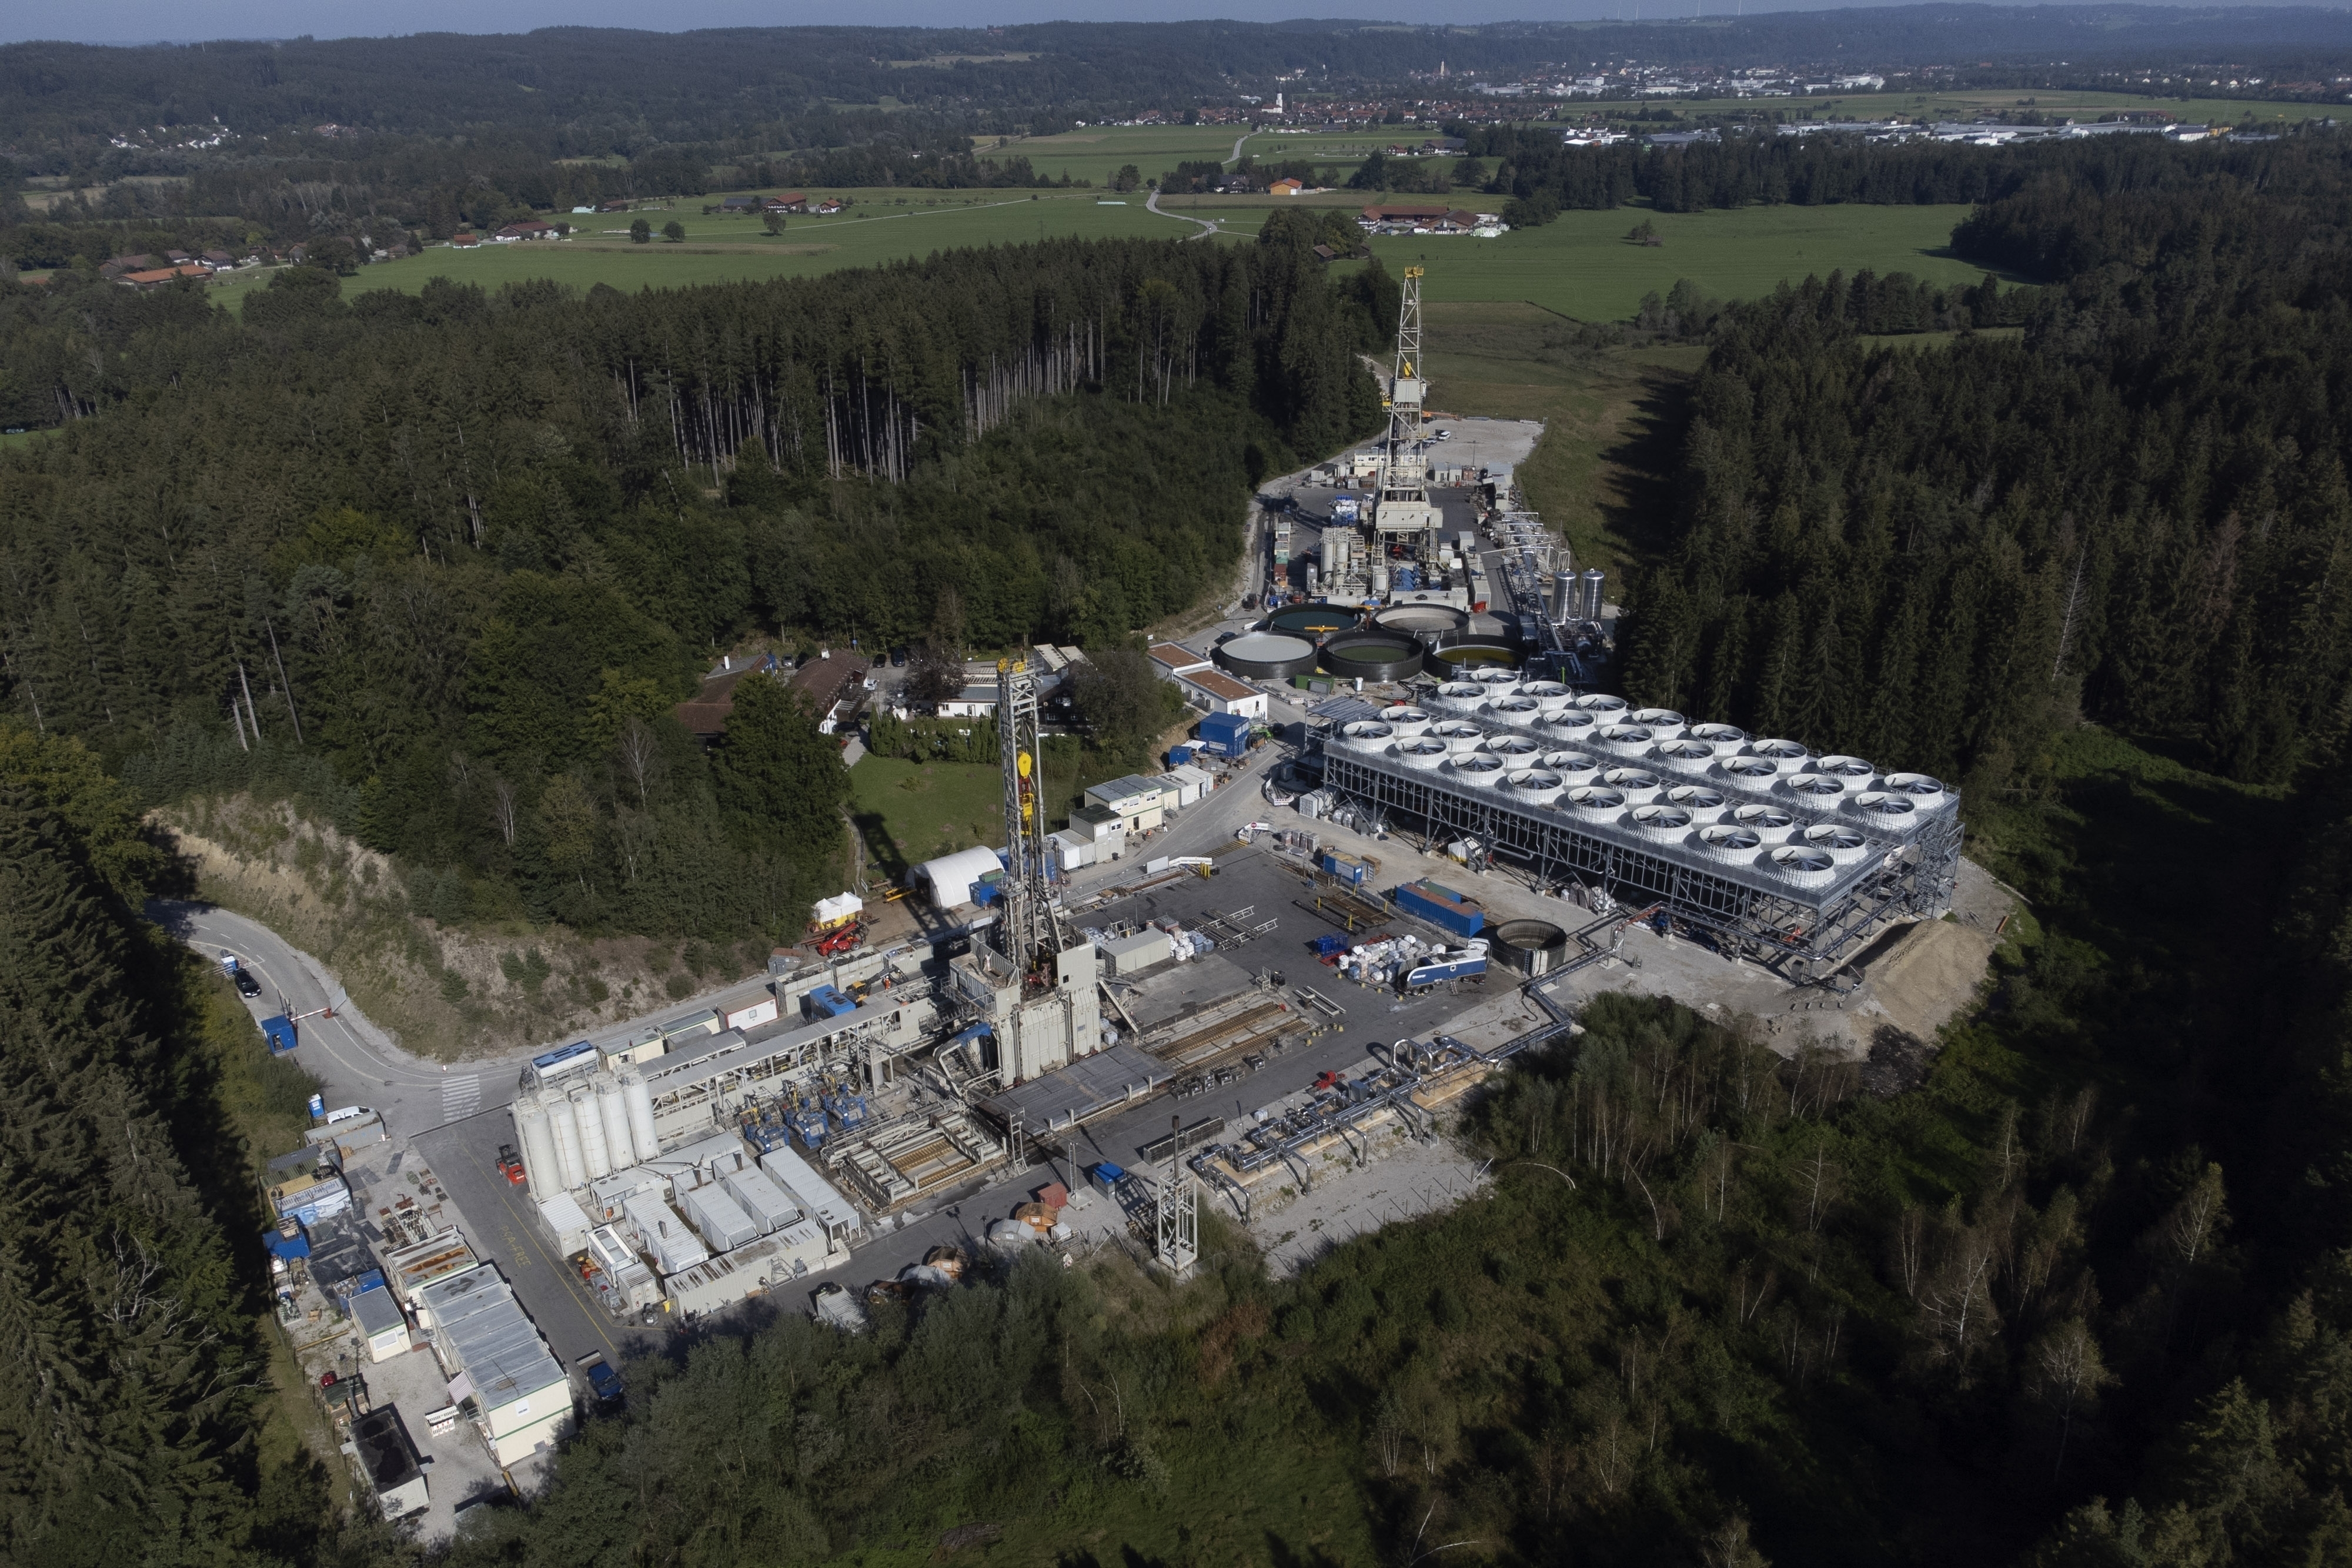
(595,1153)
(640,1103)
(565,1127)
(538,1145)
(619,1142)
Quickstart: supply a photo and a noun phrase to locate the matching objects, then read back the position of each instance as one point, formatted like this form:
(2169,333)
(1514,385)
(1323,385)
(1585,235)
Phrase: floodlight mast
(1026,933)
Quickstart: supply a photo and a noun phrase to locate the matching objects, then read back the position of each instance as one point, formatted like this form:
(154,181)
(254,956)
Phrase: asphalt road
(350,1057)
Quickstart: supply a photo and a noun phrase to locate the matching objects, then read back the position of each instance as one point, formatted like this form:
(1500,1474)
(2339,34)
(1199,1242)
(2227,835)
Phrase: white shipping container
(723,1224)
(758,1013)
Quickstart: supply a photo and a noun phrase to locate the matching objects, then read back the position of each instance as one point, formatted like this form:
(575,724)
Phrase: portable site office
(494,1355)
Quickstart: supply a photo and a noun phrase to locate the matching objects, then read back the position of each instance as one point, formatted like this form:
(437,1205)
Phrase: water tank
(1566,595)
(1380,582)
(595,1153)
(1310,578)
(569,1162)
(619,1141)
(1530,947)
(538,1145)
(1589,607)
(640,1103)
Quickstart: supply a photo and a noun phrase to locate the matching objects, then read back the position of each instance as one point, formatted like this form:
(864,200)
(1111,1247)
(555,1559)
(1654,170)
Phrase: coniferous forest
(464,551)
(2077,1293)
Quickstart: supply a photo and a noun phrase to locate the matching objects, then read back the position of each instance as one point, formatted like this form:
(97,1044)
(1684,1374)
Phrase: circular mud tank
(1314,622)
(1456,657)
(1430,622)
(1530,947)
(1265,656)
(1372,656)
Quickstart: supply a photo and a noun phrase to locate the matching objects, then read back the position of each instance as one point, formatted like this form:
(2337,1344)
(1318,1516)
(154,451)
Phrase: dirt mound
(1928,974)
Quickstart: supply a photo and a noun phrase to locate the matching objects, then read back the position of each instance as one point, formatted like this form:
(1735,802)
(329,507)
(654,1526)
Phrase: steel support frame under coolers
(1805,939)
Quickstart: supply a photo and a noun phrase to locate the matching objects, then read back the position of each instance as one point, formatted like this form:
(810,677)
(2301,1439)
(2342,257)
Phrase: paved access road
(352,1059)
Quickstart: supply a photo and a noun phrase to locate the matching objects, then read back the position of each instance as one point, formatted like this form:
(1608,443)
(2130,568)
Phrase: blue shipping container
(1179,755)
(1223,726)
(280,1032)
(1346,868)
(1441,906)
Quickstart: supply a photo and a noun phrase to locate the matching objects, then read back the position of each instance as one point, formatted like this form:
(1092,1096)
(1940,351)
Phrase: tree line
(2134,512)
(442,565)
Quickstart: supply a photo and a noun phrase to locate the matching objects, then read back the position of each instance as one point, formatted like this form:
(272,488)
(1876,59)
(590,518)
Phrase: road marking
(460,1097)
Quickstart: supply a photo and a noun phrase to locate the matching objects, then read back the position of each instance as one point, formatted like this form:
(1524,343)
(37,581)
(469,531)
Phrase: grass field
(1581,265)
(1578,266)
(911,811)
(729,250)
(1612,431)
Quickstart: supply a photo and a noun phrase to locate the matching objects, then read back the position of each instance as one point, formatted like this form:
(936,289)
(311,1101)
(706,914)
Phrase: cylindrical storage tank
(1482,770)
(1336,543)
(1622,739)
(1925,793)
(1311,574)
(1530,947)
(1725,740)
(1567,596)
(1457,696)
(1458,735)
(1380,581)
(595,1153)
(1696,798)
(1514,709)
(1763,819)
(1597,799)
(1313,621)
(1730,841)
(1848,768)
(620,1143)
(1535,786)
(1366,735)
(1455,657)
(1575,765)
(1843,845)
(1892,811)
(1429,623)
(1372,656)
(1265,656)
(640,1103)
(1659,819)
(1423,751)
(1602,703)
(1801,863)
(1405,719)
(565,1126)
(1567,723)
(1592,580)
(1516,749)
(537,1142)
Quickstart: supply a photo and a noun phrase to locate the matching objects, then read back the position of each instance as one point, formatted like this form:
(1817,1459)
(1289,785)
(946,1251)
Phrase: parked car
(604,1384)
(246,985)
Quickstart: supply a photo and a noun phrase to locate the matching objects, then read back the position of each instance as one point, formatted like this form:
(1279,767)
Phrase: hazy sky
(146,21)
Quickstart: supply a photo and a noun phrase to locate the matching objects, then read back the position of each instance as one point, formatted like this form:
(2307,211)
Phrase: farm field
(735,250)
(1581,263)
(1097,151)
